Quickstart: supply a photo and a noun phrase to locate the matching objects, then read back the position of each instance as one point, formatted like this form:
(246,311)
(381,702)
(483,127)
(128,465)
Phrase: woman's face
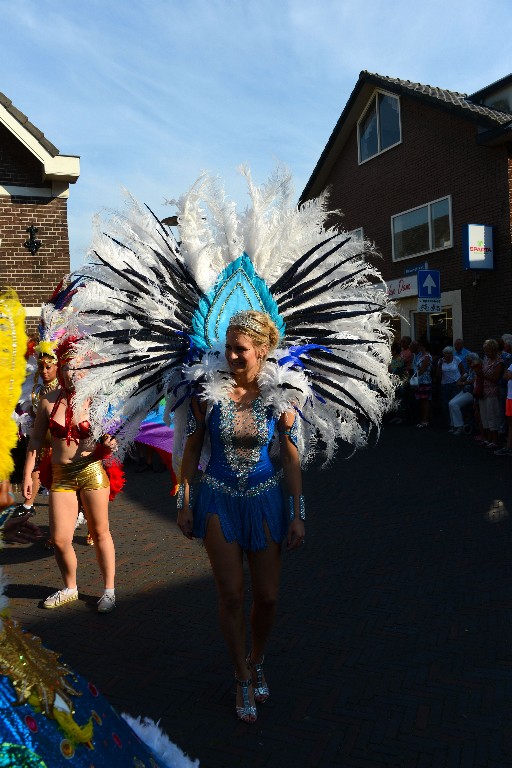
(448,357)
(489,351)
(67,375)
(241,353)
(47,370)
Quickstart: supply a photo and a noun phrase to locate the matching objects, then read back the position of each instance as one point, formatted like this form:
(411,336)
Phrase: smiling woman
(299,314)
(239,507)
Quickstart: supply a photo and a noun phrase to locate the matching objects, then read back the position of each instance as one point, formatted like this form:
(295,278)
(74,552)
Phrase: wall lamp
(32,244)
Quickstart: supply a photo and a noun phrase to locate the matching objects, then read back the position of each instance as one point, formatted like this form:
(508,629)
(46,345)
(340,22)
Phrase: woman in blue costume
(239,507)
(301,313)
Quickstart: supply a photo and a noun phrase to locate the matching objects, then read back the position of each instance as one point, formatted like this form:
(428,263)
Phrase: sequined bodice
(240,436)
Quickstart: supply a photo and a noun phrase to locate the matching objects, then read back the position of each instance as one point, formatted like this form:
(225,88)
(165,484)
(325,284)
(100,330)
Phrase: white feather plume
(143,288)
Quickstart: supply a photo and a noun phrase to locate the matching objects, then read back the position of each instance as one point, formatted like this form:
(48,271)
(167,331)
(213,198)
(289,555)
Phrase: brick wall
(438,156)
(17,164)
(33,277)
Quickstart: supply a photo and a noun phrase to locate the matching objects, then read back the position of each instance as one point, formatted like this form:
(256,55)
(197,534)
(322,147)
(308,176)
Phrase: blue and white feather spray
(155,309)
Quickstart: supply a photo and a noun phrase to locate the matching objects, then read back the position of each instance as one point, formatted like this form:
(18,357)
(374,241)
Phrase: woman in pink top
(490,415)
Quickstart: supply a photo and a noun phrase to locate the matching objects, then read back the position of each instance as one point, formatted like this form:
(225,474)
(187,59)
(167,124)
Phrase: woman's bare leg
(227,566)
(95,504)
(265,567)
(226,560)
(63,510)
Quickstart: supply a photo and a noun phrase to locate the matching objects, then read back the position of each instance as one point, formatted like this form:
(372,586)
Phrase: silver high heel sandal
(247,713)
(261,690)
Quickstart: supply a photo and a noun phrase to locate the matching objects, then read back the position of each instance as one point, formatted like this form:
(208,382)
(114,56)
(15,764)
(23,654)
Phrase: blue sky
(151,92)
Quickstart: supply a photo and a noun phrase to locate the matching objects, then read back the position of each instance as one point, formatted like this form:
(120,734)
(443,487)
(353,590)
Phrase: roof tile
(460,101)
(30,127)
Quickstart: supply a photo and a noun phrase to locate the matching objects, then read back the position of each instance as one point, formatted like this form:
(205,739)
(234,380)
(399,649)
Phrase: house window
(422,230)
(379,128)
(356,236)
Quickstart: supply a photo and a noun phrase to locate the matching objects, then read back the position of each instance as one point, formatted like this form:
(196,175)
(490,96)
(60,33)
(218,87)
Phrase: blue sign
(413,270)
(429,284)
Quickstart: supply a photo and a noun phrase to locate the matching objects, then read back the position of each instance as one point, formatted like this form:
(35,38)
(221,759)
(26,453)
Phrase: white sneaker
(458,431)
(106,603)
(60,598)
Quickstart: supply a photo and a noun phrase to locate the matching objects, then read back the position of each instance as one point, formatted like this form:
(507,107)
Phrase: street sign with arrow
(429,290)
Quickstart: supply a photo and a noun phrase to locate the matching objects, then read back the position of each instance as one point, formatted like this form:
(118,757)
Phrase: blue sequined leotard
(240,484)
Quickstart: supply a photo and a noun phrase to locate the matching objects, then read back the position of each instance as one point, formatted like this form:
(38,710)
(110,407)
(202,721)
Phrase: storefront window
(437,327)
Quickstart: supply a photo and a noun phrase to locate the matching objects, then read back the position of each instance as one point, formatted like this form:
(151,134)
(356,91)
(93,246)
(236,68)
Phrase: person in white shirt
(450,371)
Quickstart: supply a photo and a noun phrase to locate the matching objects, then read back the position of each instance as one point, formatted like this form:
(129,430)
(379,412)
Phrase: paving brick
(391,645)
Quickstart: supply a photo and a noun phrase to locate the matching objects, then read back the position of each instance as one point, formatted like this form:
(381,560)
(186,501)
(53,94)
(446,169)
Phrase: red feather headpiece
(66,349)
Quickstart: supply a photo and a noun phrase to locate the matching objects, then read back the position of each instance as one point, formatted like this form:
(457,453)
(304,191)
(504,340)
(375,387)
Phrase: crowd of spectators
(472,391)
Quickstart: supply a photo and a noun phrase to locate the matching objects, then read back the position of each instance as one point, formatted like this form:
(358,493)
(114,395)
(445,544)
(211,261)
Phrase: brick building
(34,190)
(421,171)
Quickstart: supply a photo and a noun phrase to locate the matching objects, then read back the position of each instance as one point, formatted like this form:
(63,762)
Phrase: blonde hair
(492,343)
(258,326)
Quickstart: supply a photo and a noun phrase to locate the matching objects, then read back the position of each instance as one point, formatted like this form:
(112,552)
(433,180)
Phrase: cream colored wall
(407,307)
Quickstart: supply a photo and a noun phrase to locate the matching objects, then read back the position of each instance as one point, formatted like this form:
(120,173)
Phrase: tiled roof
(492,120)
(30,127)
(459,101)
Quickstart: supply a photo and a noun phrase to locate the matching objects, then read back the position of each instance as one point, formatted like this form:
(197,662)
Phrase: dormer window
(379,128)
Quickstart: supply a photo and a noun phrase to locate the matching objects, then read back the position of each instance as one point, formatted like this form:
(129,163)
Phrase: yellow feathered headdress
(47,349)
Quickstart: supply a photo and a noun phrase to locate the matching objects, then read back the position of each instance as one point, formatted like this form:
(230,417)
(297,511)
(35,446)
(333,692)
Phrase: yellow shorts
(83,475)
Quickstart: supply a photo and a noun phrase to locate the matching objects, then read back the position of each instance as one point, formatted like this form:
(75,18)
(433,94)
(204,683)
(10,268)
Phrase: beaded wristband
(180,496)
(302,508)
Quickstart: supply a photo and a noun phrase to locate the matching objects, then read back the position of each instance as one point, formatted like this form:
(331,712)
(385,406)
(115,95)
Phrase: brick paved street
(393,641)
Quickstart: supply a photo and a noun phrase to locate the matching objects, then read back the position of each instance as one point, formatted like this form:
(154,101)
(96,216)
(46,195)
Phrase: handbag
(414,381)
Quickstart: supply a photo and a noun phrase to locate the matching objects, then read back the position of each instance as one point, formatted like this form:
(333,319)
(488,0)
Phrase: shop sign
(403,287)
(478,246)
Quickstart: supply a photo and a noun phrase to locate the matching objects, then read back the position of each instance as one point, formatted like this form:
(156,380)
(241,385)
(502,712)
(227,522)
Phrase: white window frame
(373,100)
(416,208)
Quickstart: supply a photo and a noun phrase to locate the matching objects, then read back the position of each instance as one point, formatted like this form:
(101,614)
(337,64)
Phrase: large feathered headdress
(54,318)
(155,311)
